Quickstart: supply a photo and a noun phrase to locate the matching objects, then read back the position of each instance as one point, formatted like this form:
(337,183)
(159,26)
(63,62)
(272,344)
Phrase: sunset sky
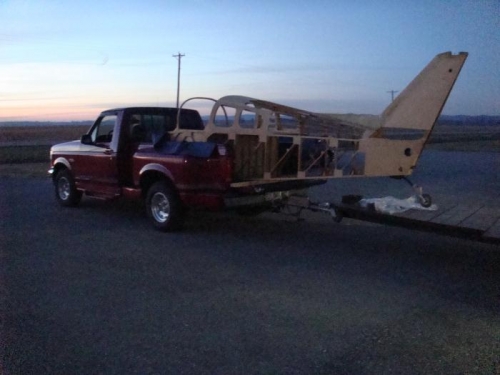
(68,60)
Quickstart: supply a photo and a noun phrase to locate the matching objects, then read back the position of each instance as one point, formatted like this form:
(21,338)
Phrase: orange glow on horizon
(48,113)
(60,111)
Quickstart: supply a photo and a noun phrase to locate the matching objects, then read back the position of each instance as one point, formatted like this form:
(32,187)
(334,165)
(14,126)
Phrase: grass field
(25,150)
(31,144)
(40,134)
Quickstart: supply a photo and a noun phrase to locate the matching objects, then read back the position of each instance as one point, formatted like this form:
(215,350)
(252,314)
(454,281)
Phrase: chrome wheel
(63,188)
(164,207)
(160,207)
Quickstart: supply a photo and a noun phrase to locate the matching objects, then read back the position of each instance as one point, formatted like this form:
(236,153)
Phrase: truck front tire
(65,189)
(164,207)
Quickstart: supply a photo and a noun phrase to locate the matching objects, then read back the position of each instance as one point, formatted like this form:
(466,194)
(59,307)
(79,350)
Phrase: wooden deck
(481,217)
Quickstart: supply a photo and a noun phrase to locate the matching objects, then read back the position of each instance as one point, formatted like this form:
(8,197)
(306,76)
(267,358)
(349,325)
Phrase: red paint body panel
(200,182)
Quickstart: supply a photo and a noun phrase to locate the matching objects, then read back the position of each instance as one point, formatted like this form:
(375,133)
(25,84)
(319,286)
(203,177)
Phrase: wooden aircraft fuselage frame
(273,143)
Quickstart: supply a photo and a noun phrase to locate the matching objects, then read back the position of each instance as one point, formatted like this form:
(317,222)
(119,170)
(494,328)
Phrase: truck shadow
(456,270)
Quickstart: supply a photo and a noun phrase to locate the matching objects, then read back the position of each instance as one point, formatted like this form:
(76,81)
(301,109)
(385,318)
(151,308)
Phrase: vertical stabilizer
(421,102)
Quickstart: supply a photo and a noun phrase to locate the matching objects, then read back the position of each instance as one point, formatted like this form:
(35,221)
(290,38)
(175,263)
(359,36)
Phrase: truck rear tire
(65,189)
(164,208)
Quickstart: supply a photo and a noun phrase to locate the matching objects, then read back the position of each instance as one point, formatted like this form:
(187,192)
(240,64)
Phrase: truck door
(95,167)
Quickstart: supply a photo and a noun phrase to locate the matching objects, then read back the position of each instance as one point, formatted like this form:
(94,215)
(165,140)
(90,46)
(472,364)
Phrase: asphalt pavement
(95,290)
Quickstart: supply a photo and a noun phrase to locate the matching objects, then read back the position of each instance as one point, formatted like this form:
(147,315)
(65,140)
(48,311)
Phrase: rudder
(421,102)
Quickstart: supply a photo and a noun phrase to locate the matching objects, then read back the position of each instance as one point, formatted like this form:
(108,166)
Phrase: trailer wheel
(426,200)
(164,207)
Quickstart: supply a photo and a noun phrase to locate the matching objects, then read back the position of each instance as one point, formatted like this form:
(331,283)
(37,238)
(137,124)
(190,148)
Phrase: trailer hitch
(300,203)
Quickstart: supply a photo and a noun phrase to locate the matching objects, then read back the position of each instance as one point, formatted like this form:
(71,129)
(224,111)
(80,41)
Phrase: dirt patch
(24,170)
(24,154)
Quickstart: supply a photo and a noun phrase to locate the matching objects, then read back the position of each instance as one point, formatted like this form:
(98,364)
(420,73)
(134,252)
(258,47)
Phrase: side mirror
(87,139)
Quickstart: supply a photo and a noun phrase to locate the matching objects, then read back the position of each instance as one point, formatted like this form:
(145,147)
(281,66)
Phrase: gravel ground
(94,290)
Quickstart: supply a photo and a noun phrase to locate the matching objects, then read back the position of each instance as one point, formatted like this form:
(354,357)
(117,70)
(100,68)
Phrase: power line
(179,56)
(392,92)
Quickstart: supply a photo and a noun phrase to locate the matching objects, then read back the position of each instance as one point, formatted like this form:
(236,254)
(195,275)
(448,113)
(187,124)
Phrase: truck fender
(62,161)
(154,169)
(157,168)
(59,163)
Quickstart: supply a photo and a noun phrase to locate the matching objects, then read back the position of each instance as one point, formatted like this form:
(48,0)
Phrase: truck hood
(67,146)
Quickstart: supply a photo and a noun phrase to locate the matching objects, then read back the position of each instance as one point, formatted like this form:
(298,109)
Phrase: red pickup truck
(127,152)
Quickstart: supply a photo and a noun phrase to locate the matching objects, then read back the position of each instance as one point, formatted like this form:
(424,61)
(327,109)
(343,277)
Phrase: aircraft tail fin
(420,103)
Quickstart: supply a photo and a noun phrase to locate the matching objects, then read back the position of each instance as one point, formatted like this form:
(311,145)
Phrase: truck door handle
(108,151)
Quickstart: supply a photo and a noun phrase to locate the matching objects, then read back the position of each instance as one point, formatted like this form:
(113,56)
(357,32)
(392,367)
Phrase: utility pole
(392,92)
(178,57)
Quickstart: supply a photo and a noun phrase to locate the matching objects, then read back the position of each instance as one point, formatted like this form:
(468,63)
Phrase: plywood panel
(482,219)
(457,214)
(494,231)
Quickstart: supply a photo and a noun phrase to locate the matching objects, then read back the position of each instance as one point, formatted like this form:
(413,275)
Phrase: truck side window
(103,131)
(190,120)
(151,125)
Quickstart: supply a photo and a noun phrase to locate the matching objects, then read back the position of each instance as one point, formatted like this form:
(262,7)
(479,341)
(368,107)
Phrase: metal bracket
(303,203)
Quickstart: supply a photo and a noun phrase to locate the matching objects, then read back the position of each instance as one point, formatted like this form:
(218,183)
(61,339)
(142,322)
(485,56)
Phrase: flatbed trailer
(476,221)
